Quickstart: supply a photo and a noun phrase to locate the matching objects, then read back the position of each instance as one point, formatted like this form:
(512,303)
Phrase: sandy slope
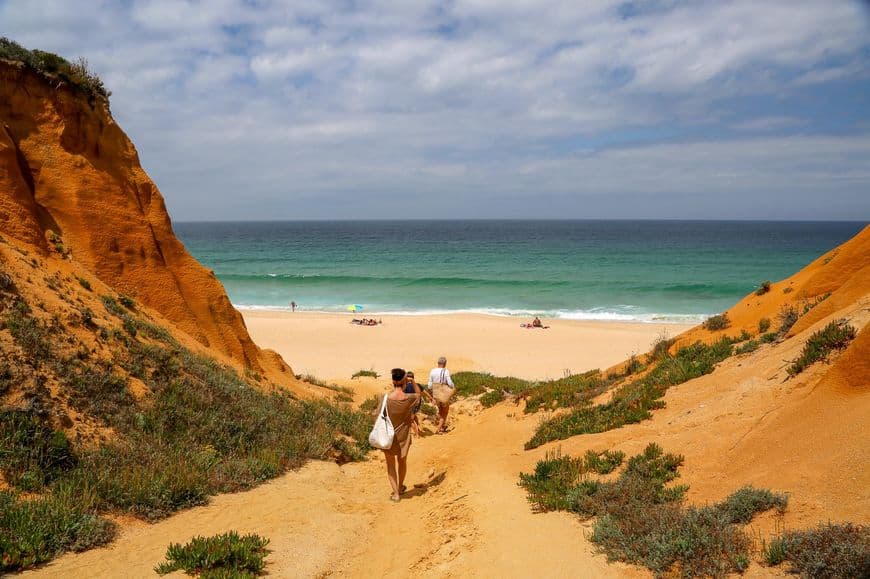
(465,518)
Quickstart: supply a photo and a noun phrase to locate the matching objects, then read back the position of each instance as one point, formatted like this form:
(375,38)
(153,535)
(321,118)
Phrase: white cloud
(307,103)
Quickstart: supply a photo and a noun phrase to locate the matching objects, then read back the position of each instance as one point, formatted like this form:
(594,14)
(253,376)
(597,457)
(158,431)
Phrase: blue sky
(258,109)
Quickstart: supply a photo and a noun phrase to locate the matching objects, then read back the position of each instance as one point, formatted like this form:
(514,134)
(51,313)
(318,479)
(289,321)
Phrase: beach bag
(382,433)
(442,392)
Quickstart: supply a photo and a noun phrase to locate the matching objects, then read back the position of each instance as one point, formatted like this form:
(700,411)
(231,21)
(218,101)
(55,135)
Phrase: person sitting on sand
(536,323)
(441,389)
(411,387)
(400,408)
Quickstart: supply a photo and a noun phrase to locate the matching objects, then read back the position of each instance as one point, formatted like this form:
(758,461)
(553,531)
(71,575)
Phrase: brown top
(401,412)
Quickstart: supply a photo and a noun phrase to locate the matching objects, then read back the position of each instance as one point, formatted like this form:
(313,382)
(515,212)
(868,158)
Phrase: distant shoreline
(579,316)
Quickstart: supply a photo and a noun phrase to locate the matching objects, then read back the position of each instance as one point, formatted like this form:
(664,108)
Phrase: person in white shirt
(441,389)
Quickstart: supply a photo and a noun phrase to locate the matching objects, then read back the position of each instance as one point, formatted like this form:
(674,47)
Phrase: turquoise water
(619,270)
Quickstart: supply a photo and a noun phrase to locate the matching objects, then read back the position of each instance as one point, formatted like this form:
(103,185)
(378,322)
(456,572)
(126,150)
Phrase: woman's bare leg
(442,415)
(403,469)
(391,474)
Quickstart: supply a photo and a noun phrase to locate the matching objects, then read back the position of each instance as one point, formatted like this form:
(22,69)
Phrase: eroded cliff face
(68,170)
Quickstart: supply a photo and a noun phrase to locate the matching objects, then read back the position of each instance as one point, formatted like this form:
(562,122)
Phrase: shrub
(787,290)
(85,283)
(127,302)
(763,325)
(834,336)
(32,454)
(717,322)
(226,555)
(788,315)
(748,347)
(474,383)
(77,74)
(763,288)
(565,392)
(29,333)
(661,347)
(365,374)
(492,398)
(37,530)
(830,550)
(743,504)
(641,520)
(768,337)
(604,463)
(633,402)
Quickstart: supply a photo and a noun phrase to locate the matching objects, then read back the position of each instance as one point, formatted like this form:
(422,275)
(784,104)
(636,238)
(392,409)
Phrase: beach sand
(329,347)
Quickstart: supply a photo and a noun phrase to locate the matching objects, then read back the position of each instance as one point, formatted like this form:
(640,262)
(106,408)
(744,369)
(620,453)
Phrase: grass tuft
(788,315)
(226,555)
(763,325)
(365,374)
(834,336)
(830,550)
(717,322)
(763,288)
(641,519)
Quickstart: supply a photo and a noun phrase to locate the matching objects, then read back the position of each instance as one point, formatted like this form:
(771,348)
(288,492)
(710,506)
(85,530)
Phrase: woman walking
(400,408)
(441,389)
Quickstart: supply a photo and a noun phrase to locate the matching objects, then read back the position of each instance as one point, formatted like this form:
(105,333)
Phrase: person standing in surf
(441,388)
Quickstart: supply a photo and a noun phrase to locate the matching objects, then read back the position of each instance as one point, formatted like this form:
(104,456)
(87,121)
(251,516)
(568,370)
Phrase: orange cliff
(67,169)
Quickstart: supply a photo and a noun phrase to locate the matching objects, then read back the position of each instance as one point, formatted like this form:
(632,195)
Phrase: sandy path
(466,517)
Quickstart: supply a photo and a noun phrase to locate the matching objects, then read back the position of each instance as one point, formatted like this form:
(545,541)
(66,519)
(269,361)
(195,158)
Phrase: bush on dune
(834,336)
(226,555)
(634,401)
(641,520)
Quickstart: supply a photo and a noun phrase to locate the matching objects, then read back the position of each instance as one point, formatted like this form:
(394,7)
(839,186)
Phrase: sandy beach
(329,347)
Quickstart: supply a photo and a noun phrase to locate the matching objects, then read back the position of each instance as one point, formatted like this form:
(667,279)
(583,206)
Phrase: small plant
(365,374)
(85,283)
(634,366)
(834,336)
(127,302)
(604,463)
(763,325)
(787,290)
(763,288)
(492,398)
(768,338)
(788,315)
(717,322)
(830,550)
(226,555)
(661,346)
(748,347)
(743,504)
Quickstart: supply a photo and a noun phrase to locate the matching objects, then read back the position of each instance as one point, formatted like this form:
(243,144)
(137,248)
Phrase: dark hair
(398,374)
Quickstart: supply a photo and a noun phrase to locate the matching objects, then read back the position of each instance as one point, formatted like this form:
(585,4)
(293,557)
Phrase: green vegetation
(747,347)
(768,337)
(643,521)
(220,556)
(633,401)
(788,315)
(491,398)
(745,502)
(474,383)
(763,325)
(198,429)
(808,305)
(85,283)
(661,348)
(34,531)
(830,550)
(834,336)
(53,67)
(717,322)
(763,288)
(365,374)
(127,302)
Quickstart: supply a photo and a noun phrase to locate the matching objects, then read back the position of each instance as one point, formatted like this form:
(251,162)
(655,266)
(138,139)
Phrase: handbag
(382,433)
(441,391)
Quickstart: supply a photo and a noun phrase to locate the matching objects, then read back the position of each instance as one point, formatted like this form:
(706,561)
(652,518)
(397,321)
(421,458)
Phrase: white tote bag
(382,433)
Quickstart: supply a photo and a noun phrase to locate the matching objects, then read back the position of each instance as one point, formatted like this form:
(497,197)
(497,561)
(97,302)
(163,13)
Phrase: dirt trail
(464,515)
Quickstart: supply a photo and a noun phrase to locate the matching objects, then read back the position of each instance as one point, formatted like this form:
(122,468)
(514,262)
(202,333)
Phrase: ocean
(603,270)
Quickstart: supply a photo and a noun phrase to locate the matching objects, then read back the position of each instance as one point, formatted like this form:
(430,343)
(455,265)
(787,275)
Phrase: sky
(260,109)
